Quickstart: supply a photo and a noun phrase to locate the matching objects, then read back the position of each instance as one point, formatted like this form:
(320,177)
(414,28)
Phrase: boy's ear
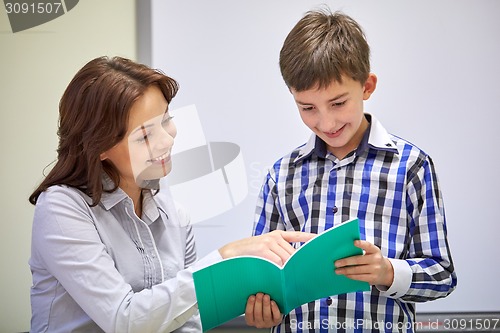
(369,86)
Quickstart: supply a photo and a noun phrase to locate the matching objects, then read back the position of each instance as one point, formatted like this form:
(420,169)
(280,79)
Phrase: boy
(352,167)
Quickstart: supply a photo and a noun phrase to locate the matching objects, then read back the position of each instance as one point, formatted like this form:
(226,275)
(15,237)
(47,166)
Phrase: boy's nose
(326,122)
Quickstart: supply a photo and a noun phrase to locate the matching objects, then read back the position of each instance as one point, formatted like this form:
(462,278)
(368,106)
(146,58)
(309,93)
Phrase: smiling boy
(352,167)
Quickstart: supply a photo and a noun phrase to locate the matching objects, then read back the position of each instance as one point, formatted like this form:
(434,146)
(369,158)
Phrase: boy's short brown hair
(321,48)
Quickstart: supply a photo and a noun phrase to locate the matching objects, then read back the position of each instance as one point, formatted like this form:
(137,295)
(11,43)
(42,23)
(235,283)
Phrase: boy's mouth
(334,134)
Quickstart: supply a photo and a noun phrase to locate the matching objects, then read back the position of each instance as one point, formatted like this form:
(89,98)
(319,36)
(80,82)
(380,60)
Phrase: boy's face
(335,113)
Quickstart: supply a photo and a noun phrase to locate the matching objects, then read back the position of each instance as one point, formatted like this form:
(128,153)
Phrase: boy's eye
(306,108)
(339,103)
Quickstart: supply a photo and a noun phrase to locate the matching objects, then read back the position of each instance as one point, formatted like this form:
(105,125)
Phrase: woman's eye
(142,139)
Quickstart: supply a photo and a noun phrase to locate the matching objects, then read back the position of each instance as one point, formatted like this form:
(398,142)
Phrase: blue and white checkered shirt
(391,186)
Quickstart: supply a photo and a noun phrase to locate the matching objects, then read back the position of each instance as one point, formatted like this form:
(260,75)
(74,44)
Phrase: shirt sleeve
(401,282)
(67,245)
(267,215)
(429,257)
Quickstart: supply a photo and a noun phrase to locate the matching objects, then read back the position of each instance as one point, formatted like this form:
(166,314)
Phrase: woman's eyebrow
(141,128)
(144,126)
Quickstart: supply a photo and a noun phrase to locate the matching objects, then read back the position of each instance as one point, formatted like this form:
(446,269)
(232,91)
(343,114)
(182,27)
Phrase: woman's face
(144,152)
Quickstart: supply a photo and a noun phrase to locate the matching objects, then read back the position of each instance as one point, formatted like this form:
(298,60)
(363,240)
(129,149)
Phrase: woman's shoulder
(62,191)
(63,195)
(61,209)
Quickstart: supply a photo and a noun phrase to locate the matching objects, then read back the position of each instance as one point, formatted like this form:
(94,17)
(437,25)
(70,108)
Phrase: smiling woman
(94,119)
(110,253)
(145,156)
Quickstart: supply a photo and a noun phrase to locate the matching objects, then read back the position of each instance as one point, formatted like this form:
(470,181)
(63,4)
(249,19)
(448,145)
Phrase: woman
(109,252)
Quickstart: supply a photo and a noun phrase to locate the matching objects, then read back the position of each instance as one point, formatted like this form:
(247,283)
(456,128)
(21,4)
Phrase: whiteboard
(437,63)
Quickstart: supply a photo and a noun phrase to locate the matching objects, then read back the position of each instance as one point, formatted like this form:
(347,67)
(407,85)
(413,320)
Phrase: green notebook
(222,289)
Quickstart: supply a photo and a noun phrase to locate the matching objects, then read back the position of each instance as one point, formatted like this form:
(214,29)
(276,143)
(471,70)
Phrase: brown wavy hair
(93,117)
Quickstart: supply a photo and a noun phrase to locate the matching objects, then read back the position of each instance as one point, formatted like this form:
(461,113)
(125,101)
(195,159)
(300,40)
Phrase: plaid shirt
(391,186)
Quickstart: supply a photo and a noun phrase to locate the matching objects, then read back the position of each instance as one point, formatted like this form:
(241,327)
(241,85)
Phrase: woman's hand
(262,312)
(274,246)
(372,267)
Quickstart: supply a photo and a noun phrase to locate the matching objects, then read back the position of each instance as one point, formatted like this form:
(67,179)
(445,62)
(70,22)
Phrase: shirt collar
(378,138)
(111,199)
(375,137)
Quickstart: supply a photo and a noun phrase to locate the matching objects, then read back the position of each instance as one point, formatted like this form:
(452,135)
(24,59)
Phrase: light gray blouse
(103,269)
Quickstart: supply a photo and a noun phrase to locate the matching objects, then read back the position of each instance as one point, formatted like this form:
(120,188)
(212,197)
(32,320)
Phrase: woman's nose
(166,137)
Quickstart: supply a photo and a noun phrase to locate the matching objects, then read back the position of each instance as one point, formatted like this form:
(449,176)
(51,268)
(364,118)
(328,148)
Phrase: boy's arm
(427,271)
(267,215)
(429,256)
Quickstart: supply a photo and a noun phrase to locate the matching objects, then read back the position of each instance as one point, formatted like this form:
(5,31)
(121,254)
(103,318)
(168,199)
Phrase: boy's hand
(372,267)
(262,312)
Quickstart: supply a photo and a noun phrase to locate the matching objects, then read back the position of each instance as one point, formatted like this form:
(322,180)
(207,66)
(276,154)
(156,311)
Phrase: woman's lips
(161,159)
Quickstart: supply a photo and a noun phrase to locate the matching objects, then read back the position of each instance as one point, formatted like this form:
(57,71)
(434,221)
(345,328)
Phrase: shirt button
(335,209)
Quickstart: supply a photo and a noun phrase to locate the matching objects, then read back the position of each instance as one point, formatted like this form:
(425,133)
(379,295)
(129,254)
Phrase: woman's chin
(150,177)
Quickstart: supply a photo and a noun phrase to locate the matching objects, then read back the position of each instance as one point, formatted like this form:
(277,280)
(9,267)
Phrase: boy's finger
(249,313)
(367,246)
(276,312)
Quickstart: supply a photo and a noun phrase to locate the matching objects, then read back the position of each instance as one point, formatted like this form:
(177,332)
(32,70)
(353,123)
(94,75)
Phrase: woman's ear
(369,86)
(103,156)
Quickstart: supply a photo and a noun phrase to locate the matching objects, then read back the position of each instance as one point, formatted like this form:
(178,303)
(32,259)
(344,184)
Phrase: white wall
(437,63)
(35,67)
